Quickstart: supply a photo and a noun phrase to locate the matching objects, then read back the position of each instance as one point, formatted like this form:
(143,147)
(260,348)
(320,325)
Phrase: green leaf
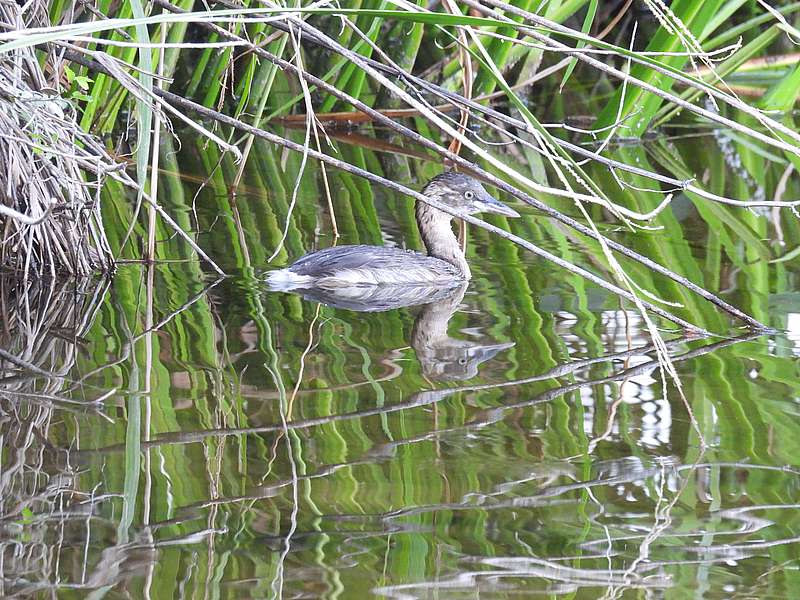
(783,94)
(587,24)
(83,81)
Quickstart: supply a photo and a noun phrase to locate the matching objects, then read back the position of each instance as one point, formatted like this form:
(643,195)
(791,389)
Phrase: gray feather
(378,298)
(393,263)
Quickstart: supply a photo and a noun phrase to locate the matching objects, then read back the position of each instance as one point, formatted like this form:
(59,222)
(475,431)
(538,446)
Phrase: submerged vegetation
(575,428)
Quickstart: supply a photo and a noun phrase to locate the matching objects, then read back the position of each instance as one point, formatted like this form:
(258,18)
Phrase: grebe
(444,265)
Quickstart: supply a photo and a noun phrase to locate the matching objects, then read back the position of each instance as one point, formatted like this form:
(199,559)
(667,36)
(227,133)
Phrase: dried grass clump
(50,218)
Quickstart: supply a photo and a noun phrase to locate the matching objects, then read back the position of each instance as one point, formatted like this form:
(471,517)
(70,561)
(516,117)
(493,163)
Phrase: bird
(364,266)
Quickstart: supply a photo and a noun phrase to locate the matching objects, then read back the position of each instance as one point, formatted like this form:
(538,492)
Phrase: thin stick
(151,212)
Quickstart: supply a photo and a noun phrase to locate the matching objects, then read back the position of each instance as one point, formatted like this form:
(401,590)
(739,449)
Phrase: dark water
(185,437)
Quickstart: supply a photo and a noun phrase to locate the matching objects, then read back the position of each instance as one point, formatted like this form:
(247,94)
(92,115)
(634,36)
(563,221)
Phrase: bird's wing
(332,260)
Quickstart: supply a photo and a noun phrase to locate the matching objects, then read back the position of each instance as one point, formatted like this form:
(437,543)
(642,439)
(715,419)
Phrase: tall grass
(501,38)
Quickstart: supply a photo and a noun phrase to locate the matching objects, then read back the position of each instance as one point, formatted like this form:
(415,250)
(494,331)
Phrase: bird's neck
(437,235)
(430,326)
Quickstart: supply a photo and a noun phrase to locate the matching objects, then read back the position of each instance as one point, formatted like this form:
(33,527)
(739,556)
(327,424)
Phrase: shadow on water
(166,435)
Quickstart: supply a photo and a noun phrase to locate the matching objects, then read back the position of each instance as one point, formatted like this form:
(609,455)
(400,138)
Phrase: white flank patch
(389,276)
(284,279)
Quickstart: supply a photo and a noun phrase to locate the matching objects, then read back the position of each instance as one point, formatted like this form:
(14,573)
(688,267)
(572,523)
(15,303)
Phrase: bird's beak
(490,205)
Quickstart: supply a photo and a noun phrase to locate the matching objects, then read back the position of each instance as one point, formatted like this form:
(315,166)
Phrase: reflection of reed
(41,324)
(617,475)
(429,397)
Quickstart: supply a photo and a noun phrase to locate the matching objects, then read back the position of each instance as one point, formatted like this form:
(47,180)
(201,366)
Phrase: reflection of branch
(41,329)
(126,346)
(639,369)
(426,398)
(530,568)
(24,364)
(183,307)
(744,465)
(561,370)
(429,397)
(36,317)
(63,402)
(727,549)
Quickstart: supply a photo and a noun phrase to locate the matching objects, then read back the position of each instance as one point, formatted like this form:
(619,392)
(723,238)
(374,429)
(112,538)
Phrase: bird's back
(365,265)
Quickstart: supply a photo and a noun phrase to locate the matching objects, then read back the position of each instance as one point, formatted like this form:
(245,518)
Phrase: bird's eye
(469,195)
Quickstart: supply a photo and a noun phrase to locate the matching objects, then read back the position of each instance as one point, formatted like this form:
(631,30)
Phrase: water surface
(187,437)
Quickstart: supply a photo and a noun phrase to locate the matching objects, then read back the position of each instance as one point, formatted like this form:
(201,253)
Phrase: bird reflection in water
(443,358)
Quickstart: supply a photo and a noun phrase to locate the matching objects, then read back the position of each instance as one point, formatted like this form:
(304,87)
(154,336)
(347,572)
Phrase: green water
(199,438)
